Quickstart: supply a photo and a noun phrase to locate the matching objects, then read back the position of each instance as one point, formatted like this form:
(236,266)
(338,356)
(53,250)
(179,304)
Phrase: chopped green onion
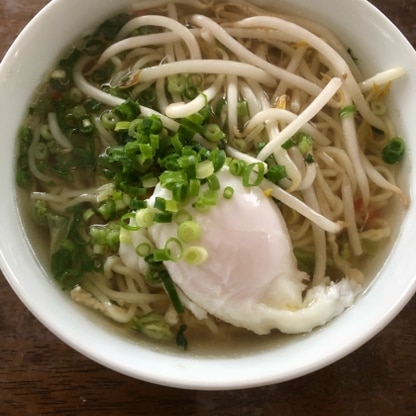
(88,214)
(171,206)
(251,168)
(204,169)
(152,276)
(308,158)
(171,290)
(101,75)
(213,133)
(147,97)
(240,145)
(152,325)
(122,125)
(160,203)
(182,215)
(242,108)
(194,187)
(177,84)
(237,167)
(169,178)
(75,95)
(194,80)
(135,126)
(228,192)
(59,75)
(187,161)
(152,124)
(160,254)
(218,158)
(45,132)
(125,222)
(207,198)
(93,47)
(176,143)
(93,106)
(181,340)
(179,191)
(348,110)
(222,103)
(137,203)
(23,178)
(289,143)
(305,143)
(86,126)
(189,231)
(378,107)
(143,249)
(393,152)
(149,181)
(213,182)
(162,217)
(302,140)
(276,173)
(107,208)
(195,255)
(78,111)
(146,151)
(190,92)
(127,110)
(41,151)
(196,118)
(145,217)
(173,249)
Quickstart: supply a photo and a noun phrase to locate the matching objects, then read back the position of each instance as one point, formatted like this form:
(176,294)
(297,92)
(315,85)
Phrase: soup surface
(211,172)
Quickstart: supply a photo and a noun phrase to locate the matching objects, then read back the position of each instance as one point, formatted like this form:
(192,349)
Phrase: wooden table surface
(40,375)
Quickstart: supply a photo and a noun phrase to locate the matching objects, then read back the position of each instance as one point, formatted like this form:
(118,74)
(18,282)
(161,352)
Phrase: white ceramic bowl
(379,46)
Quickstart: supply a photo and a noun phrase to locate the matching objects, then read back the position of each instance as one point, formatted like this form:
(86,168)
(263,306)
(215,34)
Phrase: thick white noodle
(232,102)
(166,22)
(162,99)
(57,133)
(253,102)
(106,138)
(89,89)
(138,42)
(318,238)
(349,215)
(353,149)
(207,66)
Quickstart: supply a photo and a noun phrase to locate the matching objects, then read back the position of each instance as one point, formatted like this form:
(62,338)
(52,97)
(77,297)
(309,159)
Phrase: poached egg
(250,278)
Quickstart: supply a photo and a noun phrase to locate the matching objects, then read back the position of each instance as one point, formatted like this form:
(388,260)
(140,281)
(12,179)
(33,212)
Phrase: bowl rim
(187,371)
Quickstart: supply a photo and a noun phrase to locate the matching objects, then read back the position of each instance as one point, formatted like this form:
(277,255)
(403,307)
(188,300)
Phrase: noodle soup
(202,172)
